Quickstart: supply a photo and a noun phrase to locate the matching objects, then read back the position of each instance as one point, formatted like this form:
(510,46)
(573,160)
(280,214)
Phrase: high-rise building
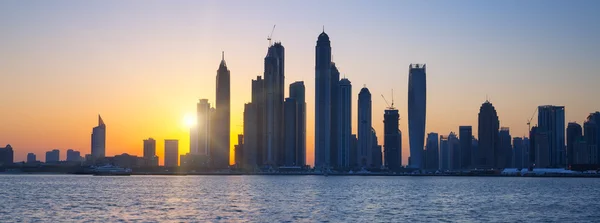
(335,148)
(519,149)
(526,160)
(171,153)
(99,140)
(150,158)
(73,156)
(574,135)
(453,151)
(504,150)
(392,139)
(488,126)
(220,140)
(353,150)
(259,116)
(274,98)
(444,153)
(290,128)
(203,128)
(239,151)
(53,156)
(323,101)
(250,136)
(194,148)
(417,101)
(474,151)
(551,120)
(532,144)
(377,155)
(31,158)
(542,150)
(592,136)
(465,133)
(344,123)
(297,92)
(6,155)
(364,127)
(432,152)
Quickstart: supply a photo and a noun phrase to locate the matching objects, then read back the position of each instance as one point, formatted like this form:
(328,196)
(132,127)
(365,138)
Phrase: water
(68,198)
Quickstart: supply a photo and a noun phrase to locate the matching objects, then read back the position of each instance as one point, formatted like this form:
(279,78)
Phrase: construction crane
(391,107)
(529,121)
(271,35)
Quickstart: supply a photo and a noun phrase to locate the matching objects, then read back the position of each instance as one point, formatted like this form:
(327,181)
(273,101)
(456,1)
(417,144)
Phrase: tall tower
(488,126)
(574,134)
(323,101)
(432,151)
(203,127)
(171,153)
(258,113)
(364,128)
(344,120)
(297,92)
(392,139)
(335,116)
(417,100)
(99,140)
(465,135)
(274,91)
(290,131)
(222,118)
(551,121)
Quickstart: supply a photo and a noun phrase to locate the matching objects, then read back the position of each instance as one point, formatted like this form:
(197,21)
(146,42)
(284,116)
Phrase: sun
(189,120)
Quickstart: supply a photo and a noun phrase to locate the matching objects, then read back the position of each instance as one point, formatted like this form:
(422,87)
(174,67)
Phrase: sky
(143,65)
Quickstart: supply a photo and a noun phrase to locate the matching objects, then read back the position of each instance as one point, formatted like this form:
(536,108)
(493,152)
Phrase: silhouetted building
(239,151)
(297,92)
(465,133)
(551,120)
(542,150)
(581,152)
(532,144)
(259,117)
(323,101)
(171,153)
(31,158)
(344,123)
(453,151)
(364,127)
(220,140)
(474,152)
(6,155)
(274,98)
(150,157)
(526,161)
(353,151)
(504,150)
(518,153)
(99,140)
(203,128)
(417,101)
(377,155)
(488,126)
(53,156)
(194,139)
(250,136)
(444,153)
(73,156)
(290,128)
(392,139)
(591,136)
(574,135)
(335,113)
(127,161)
(432,152)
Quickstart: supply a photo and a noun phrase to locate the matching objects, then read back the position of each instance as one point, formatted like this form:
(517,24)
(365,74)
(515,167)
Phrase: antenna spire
(323,28)
(222,55)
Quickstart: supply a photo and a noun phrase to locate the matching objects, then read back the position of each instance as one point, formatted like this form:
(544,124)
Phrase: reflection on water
(60,198)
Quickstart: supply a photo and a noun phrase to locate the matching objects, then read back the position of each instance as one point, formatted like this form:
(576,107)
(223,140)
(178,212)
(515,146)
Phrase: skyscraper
(150,157)
(504,150)
(592,136)
(171,153)
(417,101)
(259,114)
(444,153)
(551,120)
(323,101)
(220,141)
(574,134)
(344,122)
(6,155)
(518,153)
(364,127)
(203,128)
(250,136)
(239,152)
(432,152)
(31,158)
(290,128)
(392,139)
(274,95)
(377,155)
(297,92)
(335,116)
(99,140)
(488,126)
(453,151)
(353,150)
(465,133)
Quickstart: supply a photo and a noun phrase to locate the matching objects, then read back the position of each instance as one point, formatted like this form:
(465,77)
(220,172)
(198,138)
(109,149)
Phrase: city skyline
(136,106)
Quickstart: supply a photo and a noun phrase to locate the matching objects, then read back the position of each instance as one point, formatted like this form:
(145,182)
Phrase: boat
(110,170)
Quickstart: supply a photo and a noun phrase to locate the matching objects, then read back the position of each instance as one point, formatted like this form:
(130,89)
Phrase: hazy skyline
(144,65)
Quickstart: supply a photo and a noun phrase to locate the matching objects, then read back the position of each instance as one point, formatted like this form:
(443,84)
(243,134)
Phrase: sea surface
(77,198)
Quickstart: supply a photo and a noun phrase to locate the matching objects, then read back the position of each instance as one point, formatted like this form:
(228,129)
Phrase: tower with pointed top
(364,153)
(99,140)
(323,102)
(220,143)
(274,96)
(488,131)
